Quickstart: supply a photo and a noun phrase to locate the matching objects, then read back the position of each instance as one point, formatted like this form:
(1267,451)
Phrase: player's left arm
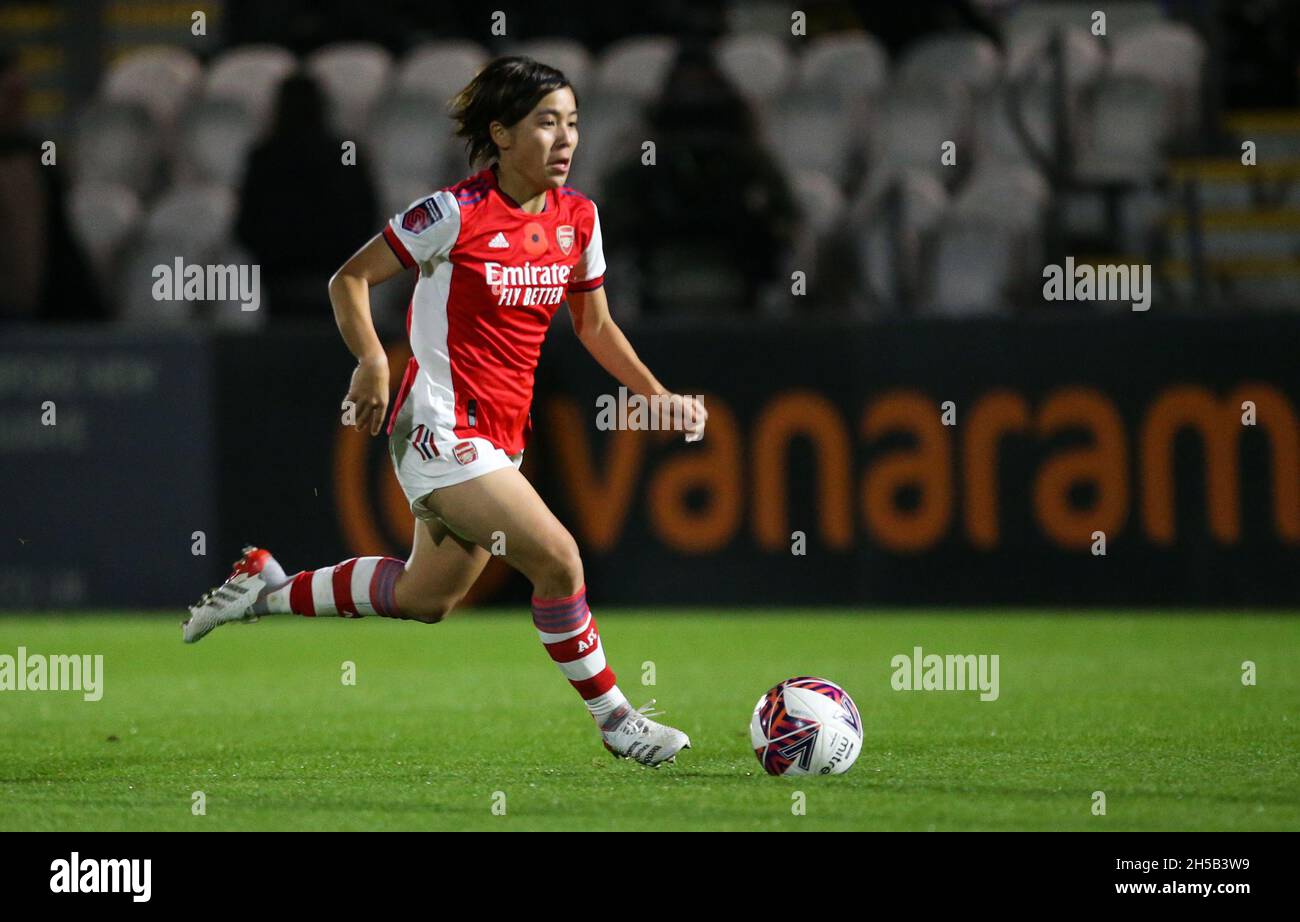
(589,311)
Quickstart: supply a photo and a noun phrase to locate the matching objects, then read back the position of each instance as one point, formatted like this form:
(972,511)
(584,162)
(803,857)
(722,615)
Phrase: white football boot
(633,735)
(233,600)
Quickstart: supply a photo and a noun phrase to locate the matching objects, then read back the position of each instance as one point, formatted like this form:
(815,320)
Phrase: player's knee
(430,610)
(563,563)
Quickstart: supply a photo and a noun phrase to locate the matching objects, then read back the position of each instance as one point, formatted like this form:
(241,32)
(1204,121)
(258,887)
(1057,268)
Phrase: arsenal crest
(465,452)
(564,237)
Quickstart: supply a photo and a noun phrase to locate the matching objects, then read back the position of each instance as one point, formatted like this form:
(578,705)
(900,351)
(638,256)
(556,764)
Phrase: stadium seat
(249,75)
(915,121)
(924,198)
(564,54)
(810,132)
(214,139)
(995,135)
(195,218)
(1126,133)
(969,60)
(1170,55)
(139,277)
(352,75)
(1011,196)
(134,289)
(1029,59)
(439,69)
(635,67)
(891,223)
(822,207)
(117,143)
(191,222)
(408,136)
(610,133)
(759,65)
(160,78)
(820,199)
(971,271)
(104,217)
(453,162)
(845,66)
(115,162)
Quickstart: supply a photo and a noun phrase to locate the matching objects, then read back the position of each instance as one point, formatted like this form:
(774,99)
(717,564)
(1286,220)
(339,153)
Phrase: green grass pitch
(1148,708)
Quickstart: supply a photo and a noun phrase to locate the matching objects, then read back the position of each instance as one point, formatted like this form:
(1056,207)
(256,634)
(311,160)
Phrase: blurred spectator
(46,276)
(302,212)
(712,221)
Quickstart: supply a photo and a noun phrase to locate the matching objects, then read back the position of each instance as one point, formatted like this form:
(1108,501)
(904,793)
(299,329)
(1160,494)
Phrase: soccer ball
(806,726)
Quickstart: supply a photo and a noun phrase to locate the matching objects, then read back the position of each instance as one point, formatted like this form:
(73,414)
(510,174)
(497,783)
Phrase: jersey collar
(512,204)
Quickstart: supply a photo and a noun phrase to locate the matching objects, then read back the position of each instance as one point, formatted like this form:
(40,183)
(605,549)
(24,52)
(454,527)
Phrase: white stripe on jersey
(432,391)
(591,264)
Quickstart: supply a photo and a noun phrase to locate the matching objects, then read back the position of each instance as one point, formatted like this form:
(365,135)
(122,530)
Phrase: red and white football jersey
(491,278)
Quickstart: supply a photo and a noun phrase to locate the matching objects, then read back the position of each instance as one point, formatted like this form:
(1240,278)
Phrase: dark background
(228,424)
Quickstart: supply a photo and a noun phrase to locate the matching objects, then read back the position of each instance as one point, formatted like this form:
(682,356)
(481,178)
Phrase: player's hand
(694,416)
(367,396)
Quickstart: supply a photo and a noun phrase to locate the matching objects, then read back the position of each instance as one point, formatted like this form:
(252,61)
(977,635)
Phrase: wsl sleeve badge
(806,726)
(422,217)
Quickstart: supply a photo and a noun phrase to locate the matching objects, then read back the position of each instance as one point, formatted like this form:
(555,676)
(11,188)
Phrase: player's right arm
(425,232)
(350,296)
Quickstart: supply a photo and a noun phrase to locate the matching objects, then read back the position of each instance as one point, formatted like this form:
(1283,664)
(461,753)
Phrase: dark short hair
(504,91)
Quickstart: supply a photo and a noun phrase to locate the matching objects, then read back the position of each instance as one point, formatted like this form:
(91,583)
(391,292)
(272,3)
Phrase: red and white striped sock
(353,588)
(569,633)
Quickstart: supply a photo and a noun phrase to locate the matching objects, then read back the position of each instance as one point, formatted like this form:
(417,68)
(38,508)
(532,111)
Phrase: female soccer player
(497,254)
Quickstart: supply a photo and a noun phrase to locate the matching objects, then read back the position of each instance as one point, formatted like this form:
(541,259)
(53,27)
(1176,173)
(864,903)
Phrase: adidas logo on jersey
(499,242)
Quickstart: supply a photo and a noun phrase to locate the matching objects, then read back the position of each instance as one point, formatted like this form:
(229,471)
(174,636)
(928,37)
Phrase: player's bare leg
(440,570)
(542,549)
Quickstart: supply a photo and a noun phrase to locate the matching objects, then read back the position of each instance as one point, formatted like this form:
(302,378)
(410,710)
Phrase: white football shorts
(425,463)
